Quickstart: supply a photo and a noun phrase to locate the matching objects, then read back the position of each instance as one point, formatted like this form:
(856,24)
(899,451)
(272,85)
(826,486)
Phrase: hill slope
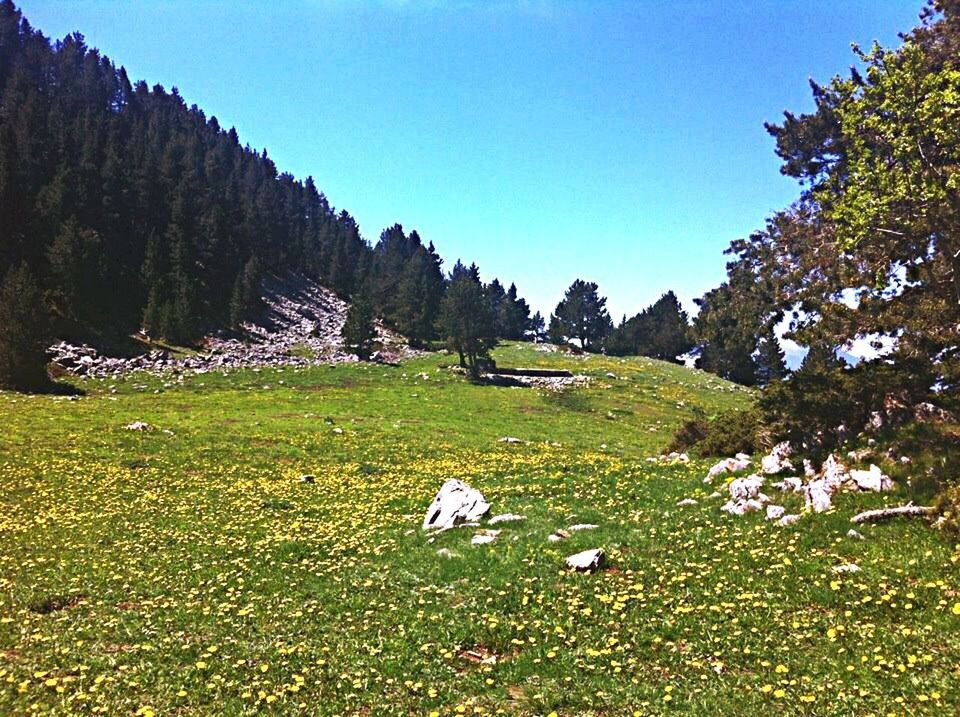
(188,569)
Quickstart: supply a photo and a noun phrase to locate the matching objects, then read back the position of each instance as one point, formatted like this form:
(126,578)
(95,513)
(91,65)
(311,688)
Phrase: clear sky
(618,142)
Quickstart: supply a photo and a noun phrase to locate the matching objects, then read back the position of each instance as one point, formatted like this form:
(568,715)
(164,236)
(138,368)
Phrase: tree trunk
(875,516)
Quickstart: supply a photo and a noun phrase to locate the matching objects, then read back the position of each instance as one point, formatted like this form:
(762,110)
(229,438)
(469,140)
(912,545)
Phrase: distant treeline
(126,209)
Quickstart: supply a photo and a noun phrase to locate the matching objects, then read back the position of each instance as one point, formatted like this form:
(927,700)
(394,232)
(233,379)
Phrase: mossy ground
(188,570)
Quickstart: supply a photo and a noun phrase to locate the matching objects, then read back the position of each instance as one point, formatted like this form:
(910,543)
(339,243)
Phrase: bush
(689,434)
(948,510)
(729,433)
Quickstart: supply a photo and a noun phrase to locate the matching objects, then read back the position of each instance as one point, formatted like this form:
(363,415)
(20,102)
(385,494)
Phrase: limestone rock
(818,495)
(745,488)
(777,460)
(686,502)
(484,537)
(789,485)
(728,465)
(775,512)
(582,526)
(788,520)
(455,503)
(872,480)
(587,561)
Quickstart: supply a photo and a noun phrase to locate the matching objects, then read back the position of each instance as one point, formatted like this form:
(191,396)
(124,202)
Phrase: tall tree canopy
(660,331)
(870,252)
(581,315)
(110,188)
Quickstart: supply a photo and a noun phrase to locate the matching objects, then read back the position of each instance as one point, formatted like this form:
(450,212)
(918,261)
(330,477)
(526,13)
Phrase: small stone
(846,568)
(587,561)
(856,535)
(505,518)
(775,512)
(557,535)
(686,502)
(138,426)
(447,553)
(788,520)
(308,478)
(509,439)
(582,526)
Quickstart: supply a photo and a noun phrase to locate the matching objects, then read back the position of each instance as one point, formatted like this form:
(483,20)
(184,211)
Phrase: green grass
(187,570)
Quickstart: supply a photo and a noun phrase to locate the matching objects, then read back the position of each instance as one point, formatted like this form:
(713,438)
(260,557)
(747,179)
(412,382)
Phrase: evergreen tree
(582,315)
(359,330)
(24,337)
(467,322)
(660,331)
(538,328)
(770,362)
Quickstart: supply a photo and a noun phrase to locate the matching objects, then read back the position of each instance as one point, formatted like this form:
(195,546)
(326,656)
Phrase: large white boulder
(818,495)
(587,561)
(777,460)
(455,503)
(872,480)
(746,488)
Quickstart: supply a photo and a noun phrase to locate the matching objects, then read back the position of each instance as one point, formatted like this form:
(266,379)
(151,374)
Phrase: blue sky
(619,142)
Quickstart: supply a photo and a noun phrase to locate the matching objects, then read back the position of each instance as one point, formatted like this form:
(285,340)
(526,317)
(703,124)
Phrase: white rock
(777,460)
(728,465)
(846,568)
(856,535)
(808,469)
(509,439)
(745,488)
(818,495)
(834,472)
(685,502)
(138,426)
(742,507)
(788,520)
(454,504)
(775,512)
(872,480)
(505,518)
(587,561)
(484,538)
(447,553)
(582,526)
(789,485)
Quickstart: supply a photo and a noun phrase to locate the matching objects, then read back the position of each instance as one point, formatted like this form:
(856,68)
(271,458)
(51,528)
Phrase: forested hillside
(125,207)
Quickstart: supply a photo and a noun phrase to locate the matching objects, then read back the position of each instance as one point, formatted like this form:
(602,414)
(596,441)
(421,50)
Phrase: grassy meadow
(188,570)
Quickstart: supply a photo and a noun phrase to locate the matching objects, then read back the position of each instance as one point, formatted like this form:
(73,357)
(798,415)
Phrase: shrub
(948,509)
(729,433)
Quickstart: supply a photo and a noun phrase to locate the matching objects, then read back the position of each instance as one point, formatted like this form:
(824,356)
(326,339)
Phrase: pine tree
(23,331)
(771,364)
(581,315)
(467,323)
(359,330)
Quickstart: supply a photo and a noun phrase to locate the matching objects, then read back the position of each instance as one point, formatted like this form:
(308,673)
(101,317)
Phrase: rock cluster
(300,326)
(818,489)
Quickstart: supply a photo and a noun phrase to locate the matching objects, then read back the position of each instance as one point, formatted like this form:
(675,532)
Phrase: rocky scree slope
(299,326)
